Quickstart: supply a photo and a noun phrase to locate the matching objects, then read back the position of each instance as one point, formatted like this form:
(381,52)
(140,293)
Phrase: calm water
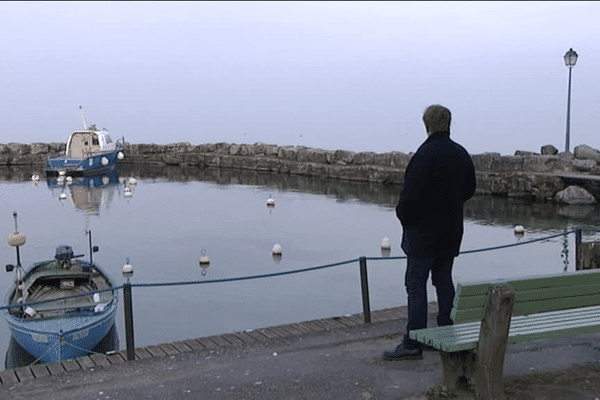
(175,213)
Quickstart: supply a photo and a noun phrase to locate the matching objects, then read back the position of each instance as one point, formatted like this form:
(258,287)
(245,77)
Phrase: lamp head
(570,58)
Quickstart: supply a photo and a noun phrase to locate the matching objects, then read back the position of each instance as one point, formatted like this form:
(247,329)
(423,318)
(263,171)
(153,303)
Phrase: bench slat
(523,329)
(533,282)
(536,294)
(531,307)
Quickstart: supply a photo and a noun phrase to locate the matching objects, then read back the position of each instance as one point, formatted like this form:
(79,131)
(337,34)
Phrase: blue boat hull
(53,340)
(82,166)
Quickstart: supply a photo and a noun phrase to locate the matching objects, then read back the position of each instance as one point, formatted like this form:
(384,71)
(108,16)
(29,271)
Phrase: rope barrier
(517,244)
(244,278)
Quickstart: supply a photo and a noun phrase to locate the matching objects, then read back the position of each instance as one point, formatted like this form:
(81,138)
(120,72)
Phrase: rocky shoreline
(523,175)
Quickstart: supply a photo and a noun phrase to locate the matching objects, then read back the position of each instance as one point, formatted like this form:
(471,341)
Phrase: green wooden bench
(489,315)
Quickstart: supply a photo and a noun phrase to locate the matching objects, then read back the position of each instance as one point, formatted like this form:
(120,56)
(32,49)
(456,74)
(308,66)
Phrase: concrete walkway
(335,358)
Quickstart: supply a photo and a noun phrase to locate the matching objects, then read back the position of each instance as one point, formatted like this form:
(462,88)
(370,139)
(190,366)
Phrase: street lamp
(570,60)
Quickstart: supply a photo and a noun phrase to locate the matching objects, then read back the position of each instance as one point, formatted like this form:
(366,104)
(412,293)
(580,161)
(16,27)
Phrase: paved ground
(342,363)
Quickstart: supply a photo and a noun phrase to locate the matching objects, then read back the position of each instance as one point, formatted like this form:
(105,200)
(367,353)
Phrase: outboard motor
(63,256)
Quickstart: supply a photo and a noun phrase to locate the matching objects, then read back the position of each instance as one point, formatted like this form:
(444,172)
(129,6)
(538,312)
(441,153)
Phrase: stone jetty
(534,176)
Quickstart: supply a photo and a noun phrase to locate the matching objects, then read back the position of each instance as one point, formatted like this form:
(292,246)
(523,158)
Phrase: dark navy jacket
(439,178)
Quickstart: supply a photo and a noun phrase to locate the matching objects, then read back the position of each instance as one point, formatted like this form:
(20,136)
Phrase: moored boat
(44,318)
(89,151)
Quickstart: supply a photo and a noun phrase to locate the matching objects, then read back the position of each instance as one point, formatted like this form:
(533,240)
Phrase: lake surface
(176,213)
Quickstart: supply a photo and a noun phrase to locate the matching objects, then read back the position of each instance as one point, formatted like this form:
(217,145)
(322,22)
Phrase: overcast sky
(339,75)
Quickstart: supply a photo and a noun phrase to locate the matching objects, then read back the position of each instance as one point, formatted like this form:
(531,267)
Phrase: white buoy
(204,259)
(270,202)
(69,180)
(127,269)
(120,155)
(519,230)
(132,181)
(63,196)
(127,193)
(35,177)
(276,249)
(62,173)
(104,161)
(385,243)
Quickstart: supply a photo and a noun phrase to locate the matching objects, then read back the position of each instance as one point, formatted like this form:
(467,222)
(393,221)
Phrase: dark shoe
(403,353)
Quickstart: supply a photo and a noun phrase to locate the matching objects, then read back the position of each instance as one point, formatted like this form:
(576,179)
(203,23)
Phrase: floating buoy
(127,269)
(63,196)
(385,243)
(204,259)
(120,155)
(519,230)
(132,181)
(69,180)
(127,192)
(104,161)
(35,177)
(270,202)
(276,249)
(62,173)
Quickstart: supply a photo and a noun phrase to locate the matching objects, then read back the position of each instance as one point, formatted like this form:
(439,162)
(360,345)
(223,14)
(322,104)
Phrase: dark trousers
(415,280)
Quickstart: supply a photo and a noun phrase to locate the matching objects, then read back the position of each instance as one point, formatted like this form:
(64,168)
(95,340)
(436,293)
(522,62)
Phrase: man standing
(438,180)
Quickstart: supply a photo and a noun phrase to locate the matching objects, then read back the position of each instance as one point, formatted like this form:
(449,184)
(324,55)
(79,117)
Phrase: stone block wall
(524,175)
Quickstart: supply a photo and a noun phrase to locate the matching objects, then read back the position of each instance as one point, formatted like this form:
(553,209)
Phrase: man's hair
(437,119)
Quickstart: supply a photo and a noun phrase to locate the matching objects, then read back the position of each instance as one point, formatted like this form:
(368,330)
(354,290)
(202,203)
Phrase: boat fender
(104,161)
(120,155)
(30,312)
(100,307)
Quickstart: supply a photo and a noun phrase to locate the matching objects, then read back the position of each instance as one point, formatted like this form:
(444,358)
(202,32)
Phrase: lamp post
(570,60)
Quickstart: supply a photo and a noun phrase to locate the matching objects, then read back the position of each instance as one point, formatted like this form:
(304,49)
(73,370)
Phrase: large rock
(584,165)
(574,195)
(584,152)
(344,156)
(19,149)
(549,150)
(545,164)
(39,148)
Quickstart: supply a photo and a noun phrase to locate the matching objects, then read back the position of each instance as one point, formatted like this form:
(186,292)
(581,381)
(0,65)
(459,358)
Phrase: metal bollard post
(365,290)
(577,248)
(128,320)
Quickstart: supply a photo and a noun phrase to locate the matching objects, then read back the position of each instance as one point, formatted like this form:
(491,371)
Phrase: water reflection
(485,209)
(17,357)
(546,216)
(87,193)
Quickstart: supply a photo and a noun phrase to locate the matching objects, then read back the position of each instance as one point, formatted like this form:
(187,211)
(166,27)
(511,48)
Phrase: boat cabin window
(82,143)
(108,139)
